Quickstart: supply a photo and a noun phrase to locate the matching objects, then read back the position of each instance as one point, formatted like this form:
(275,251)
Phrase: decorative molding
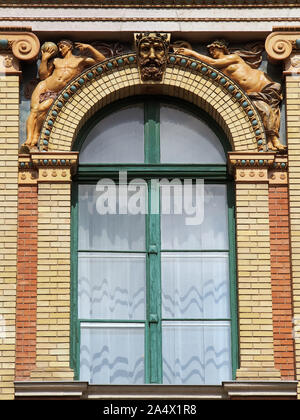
(153,3)
(47,167)
(225,391)
(16,46)
(146,19)
(261,389)
(23,45)
(259,167)
(283,44)
(190,65)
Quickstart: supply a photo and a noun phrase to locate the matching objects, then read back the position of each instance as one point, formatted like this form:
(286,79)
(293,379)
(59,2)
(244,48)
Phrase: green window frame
(152,168)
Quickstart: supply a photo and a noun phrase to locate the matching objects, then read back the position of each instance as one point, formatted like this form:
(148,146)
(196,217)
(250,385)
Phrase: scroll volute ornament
(16,46)
(24,45)
(152,49)
(284,45)
(279,45)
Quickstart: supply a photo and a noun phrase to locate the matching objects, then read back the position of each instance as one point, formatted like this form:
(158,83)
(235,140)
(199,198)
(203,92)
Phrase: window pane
(184,138)
(195,285)
(111,286)
(112,354)
(205,360)
(211,233)
(108,232)
(117,138)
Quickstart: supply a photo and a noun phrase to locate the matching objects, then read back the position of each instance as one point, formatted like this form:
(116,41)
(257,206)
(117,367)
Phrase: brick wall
(9,144)
(281,281)
(53,283)
(293,135)
(254,283)
(26,282)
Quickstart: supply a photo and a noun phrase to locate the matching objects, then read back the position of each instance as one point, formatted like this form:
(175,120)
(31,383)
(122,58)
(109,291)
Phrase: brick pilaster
(26,282)
(9,145)
(281,281)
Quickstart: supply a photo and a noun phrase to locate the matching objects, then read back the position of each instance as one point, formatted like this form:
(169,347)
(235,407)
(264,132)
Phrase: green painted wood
(233,278)
(152,169)
(154,284)
(152,132)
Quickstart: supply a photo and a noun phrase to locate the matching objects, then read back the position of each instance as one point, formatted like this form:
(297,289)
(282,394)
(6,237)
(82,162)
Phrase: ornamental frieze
(151,3)
(67,66)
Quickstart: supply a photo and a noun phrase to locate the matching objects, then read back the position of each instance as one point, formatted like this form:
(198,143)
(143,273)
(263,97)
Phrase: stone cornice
(226,390)
(152,3)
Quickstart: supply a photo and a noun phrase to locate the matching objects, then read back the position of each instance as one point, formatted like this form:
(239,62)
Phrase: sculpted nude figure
(265,94)
(54,75)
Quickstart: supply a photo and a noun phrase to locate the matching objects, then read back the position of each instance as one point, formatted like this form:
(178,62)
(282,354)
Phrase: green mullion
(233,278)
(152,132)
(154,346)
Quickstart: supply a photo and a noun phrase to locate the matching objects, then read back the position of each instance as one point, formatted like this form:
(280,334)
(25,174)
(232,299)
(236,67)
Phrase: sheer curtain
(117,138)
(185,138)
(196,330)
(111,291)
(112,353)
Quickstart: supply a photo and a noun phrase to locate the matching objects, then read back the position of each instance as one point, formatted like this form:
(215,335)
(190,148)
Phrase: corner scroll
(16,46)
(283,45)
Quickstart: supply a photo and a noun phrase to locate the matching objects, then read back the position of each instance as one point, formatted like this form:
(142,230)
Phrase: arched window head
(180,136)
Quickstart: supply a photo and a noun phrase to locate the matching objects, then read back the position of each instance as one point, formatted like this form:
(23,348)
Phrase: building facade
(108,108)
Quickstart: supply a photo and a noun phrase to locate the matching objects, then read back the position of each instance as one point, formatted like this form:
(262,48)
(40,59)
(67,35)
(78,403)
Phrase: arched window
(153,262)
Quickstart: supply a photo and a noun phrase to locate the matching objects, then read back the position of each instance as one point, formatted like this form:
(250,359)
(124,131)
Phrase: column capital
(259,167)
(283,45)
(16,45)
(47,167)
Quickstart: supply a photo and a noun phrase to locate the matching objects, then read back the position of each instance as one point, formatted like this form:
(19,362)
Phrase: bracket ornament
(258,167)
(47,167)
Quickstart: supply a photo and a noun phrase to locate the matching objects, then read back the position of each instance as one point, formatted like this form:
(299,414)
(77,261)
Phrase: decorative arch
(184,78)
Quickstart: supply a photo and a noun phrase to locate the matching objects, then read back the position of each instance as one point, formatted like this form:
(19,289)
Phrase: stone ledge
(227,390)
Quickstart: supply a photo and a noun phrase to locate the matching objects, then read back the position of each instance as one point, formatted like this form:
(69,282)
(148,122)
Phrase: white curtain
(111,286)
(112,353)
(211,233)
(184,138)
(117,138)
(196,352)
(107,232)
(195,285)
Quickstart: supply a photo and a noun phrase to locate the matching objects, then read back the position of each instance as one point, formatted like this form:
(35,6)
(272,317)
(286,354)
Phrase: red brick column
(26,282)
(281,281)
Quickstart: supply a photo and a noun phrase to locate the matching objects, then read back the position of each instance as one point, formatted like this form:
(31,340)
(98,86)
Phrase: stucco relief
(153,51)
(265,94)
(54,73)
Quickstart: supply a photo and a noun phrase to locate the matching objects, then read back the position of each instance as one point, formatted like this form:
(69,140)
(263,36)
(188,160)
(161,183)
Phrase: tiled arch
(188,79)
